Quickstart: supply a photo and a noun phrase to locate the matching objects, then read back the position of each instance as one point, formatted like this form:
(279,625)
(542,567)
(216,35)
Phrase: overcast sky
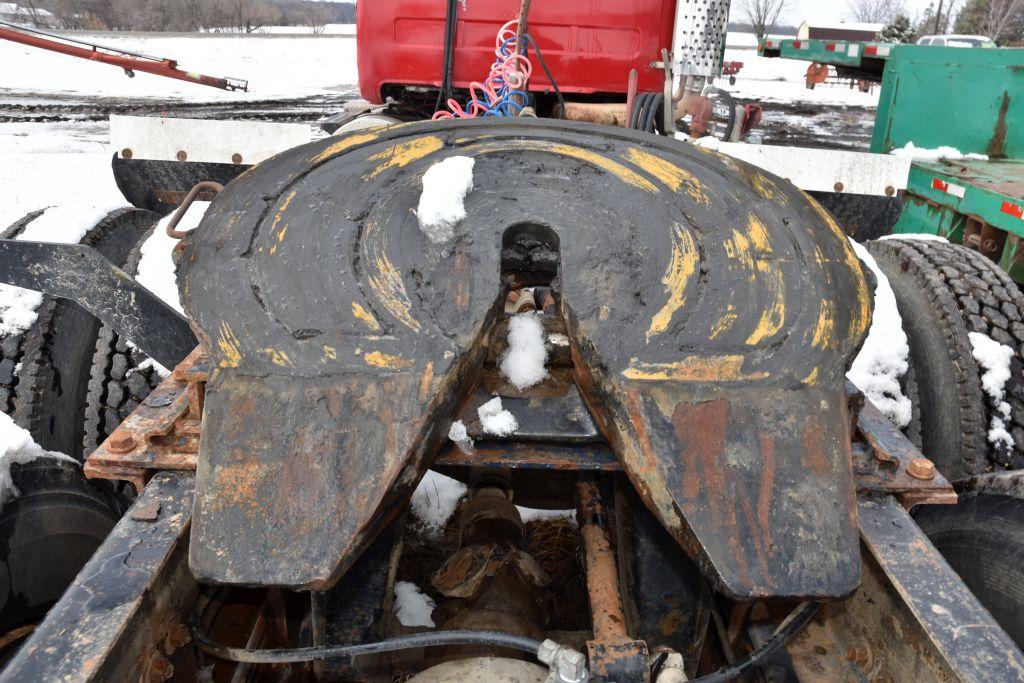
(828,10)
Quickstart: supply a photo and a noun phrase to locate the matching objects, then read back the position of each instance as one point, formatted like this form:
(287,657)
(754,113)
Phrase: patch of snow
(914,153)
(441,207)
(523,361)
(413,607)
(435,499)
(995,359)
(535,514)
(558,339)
(495,419)
(707,142)
(922,236)
(458,434)
(150,363)
(18,447)
(156,266)
(66,223)
(883,359)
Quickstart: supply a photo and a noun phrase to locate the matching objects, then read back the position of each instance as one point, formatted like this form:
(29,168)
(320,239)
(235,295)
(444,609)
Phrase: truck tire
(117,383)
(982,538)
(46,535)
(945,291)
(45,370)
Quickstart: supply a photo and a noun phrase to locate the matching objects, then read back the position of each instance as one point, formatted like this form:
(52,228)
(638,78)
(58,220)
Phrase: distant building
(838,31)
(14,13)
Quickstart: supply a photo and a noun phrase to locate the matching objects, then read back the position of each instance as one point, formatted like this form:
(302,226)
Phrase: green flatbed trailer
(971,100)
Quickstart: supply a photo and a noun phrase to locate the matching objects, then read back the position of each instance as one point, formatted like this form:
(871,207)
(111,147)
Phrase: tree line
(1000,20)
(245,16)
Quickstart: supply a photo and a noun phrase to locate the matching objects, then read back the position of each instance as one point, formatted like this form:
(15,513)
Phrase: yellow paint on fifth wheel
(680,269)
(347,142)
(362,314)
(668,173)
(404,153)
(385,360)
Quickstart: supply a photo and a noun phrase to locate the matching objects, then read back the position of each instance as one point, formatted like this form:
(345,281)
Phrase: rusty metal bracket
(186,203)
(162,433)
(885,461)
(80,274)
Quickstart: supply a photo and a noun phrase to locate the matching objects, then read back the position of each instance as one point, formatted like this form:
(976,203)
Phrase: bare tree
(875,11)
(1000,15)
(762,15)
(315,16)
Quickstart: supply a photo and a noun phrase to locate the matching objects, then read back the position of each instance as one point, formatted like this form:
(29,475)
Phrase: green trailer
(968,100)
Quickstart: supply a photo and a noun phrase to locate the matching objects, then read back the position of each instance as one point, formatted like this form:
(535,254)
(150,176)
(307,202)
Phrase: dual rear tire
(944,293)
(69,381)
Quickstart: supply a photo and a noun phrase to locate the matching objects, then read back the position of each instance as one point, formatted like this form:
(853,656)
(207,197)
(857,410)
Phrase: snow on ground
(883,359)
(922,236)
(441,207)
(18,447)
(782,80)
(523,362)
(995,359)
(494,419)
(275,66)
(412,606)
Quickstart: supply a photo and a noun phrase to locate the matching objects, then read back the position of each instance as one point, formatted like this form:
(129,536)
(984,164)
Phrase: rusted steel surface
(885,461)
(957,633)
(161,434)
(122,619)
(612,654)
(540,456)
(711,311)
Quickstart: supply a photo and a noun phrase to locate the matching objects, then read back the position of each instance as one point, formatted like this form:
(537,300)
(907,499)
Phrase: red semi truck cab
(589,45)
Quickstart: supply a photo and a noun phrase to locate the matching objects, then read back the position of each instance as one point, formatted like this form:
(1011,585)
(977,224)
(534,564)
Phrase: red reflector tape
(949,188)
(871,50)
(1013,209)
(831,47)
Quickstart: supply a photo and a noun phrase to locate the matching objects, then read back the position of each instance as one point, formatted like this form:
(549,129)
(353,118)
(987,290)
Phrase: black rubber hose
(638,108)
(651,113)
(547,72)
(319,652)
(789,627)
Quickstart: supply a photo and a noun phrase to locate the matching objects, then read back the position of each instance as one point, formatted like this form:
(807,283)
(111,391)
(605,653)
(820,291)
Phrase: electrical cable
(448,58)
(320,652)
(789,627)
(547,72)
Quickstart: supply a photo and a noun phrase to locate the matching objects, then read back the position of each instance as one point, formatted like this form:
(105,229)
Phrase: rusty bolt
(177,636)
(157,669)
(889,190)
(921,468)
(119,442)
(838,187)
(126,153)
(182,155)
(236,158)
(988,245)
(858,656)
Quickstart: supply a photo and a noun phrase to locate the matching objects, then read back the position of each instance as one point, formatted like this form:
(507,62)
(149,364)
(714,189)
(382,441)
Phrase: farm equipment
(129,61)
(739,507)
